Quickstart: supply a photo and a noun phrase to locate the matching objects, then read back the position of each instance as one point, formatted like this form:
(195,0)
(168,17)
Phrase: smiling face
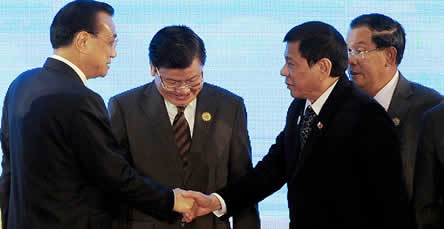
(182,95)
(302,80)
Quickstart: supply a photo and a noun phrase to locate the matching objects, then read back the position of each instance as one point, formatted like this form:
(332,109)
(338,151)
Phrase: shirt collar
(73,66)
(384,96)
(319,103)
(173,107)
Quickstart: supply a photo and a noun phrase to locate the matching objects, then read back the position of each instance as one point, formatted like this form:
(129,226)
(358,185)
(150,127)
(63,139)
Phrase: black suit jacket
(348,175)
(429,181)
(409,102)
(60,163)
(220,150)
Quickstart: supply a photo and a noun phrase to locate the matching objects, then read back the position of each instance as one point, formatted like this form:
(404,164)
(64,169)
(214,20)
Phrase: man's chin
(356,77)
(180,102)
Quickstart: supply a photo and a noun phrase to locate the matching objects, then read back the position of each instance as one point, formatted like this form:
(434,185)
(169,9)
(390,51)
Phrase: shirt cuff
(223,208)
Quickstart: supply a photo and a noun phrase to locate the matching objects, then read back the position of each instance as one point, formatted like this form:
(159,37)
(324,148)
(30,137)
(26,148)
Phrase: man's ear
(81,40)
(325,66)
(153,69)
(390,55)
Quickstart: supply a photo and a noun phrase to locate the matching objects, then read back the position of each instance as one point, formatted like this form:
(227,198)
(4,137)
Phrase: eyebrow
(359,43)
(190,79)
(288,58)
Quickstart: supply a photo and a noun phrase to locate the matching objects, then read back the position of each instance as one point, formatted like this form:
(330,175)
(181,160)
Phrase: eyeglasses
(362,53)
(112,44)
(172,85)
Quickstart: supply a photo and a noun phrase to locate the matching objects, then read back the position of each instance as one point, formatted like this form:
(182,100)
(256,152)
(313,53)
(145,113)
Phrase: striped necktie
(182,133)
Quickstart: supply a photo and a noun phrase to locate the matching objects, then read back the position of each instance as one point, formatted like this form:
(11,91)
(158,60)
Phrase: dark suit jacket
(220,149)
(348,175)
(429,181)
(409,102)
(60,163)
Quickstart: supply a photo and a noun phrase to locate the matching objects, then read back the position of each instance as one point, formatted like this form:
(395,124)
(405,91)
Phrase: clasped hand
(194,204)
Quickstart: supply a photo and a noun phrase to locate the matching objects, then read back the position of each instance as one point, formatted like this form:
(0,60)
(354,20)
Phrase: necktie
(306,125)
(182,133)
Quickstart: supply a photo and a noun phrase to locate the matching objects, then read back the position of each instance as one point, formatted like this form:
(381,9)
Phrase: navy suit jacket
(60,163)
(347,176)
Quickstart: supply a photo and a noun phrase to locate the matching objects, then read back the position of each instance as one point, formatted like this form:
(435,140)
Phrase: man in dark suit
(60,163)
(217,146)
(339,158)
(429,193)
(376,46)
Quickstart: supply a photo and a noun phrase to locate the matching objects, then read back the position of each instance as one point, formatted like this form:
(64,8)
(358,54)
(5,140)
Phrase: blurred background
(244,45)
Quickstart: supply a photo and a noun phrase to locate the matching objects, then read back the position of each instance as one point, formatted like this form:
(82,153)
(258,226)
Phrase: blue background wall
(244,46)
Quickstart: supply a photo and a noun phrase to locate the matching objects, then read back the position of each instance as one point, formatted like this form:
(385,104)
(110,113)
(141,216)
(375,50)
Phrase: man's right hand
(203,204)
(181,204)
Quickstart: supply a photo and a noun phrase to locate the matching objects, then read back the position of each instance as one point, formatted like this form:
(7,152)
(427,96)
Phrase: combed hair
(386,32)
(76,16)
(176,47)
(320,40)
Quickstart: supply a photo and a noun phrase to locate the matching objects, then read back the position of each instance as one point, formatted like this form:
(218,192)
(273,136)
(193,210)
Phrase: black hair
(76,16)
(386,32)
(320,40)
(176,47)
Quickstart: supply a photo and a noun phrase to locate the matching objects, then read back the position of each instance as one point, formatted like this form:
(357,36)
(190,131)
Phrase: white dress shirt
(316,106)
(74,67)
(189,112)
(385,95)
(319,103)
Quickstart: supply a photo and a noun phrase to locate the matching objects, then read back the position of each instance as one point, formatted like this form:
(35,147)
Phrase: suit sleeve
(97,149)
(120,132)
(265,178)
(268,176)
(427,195)
(5,179)
(239,164)
(118,126)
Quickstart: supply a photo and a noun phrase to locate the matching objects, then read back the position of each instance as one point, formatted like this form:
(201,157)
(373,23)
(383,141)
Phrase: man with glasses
(181,131)
(376,46)
(328,153)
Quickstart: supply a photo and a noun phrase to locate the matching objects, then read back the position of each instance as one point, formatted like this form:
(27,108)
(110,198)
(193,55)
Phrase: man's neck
(68,54)
(326,84)
(388,75)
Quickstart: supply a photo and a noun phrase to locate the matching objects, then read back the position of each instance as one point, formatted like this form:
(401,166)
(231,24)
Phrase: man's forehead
(106,24)
(292,49)
(360,35)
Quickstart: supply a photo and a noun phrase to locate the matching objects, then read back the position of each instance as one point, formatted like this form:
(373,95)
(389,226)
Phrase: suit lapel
(400,103)
(293,138)
(206,105)
(152,103)
(320,127)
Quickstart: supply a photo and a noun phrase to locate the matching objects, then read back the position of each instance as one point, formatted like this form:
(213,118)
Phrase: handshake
(193,204)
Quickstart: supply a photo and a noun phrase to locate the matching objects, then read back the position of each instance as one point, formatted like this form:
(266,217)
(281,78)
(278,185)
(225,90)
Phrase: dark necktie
(182,133)
(306,125)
